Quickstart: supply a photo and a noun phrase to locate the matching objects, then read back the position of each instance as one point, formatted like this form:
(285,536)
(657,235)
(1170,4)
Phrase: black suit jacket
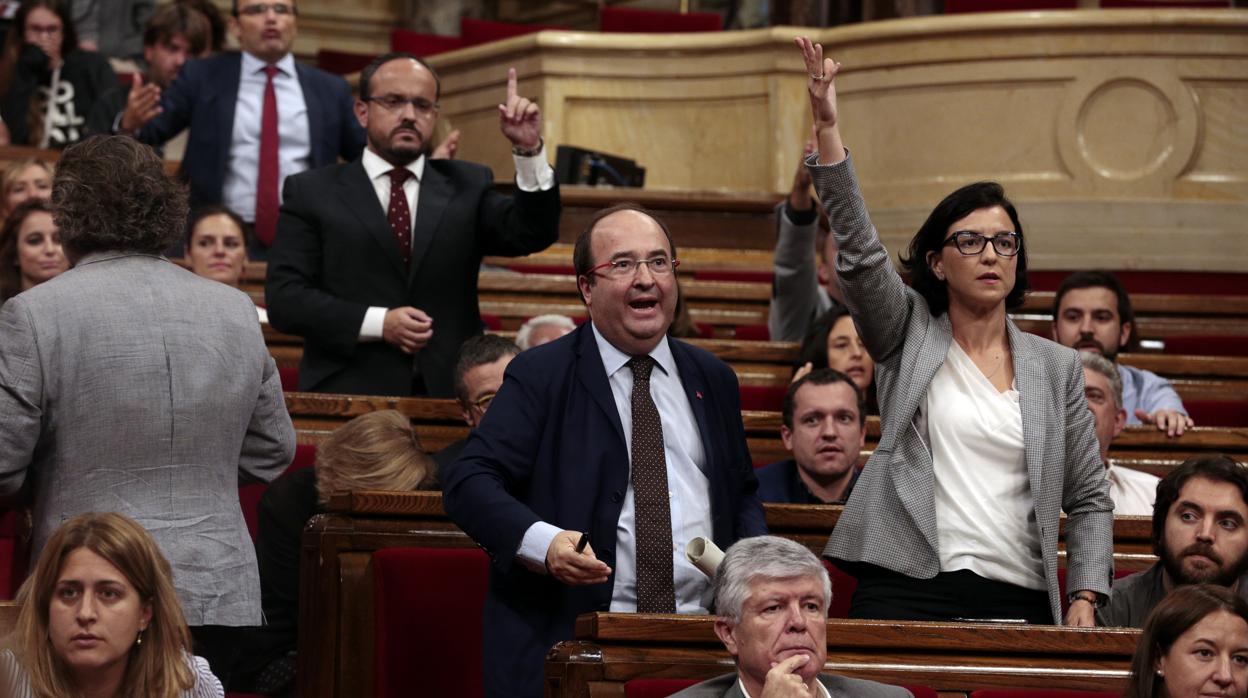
(552,448)
(335,256)
(203,98)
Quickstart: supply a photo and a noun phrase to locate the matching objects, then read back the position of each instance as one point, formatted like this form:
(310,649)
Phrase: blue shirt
(779,483)
(1145,390)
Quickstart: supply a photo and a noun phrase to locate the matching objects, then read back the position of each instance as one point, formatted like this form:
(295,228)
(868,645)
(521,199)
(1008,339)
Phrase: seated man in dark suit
(772,597)
(615,432)
(376,261)
(1200,534)
(478,376)
(824,426)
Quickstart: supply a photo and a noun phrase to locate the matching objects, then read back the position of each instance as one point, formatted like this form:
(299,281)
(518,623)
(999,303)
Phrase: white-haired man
(772,596)
(539,330)
(1133,491)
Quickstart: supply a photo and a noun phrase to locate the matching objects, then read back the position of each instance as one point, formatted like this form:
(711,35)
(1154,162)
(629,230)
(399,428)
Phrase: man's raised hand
(142,105)
(519,118)
(783,681)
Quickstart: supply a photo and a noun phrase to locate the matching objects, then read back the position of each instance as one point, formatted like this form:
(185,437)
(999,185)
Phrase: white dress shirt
(294,152)
(1133,491)
(985,511)
(689,488)
(533,173)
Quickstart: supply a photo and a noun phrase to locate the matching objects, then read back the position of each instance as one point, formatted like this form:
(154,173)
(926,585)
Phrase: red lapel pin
(698,393)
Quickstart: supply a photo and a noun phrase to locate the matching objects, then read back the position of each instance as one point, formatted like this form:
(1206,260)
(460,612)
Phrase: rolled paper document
(704,555)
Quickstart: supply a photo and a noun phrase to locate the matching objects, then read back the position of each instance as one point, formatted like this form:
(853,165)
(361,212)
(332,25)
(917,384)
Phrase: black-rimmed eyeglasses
(394,103)
(970,243)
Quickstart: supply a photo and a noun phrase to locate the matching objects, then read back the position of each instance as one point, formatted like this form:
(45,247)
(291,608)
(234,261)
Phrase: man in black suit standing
(376,261)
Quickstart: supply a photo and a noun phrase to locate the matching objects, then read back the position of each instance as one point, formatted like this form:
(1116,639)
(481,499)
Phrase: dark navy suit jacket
(203,98)
(552,448)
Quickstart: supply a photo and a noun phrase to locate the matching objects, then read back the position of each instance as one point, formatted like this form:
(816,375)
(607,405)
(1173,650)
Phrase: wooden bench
(953,658)
(336,613)
(439,422)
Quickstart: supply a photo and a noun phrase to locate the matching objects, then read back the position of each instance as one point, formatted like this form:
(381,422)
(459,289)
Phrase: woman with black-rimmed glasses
(985,433)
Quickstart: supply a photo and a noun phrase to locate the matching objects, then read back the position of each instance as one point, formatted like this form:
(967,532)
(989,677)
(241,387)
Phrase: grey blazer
(129,384)
(890,519)
(727,686)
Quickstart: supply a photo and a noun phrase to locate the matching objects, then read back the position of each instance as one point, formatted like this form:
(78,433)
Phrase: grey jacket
(727,686)
(129,384)
(890,519)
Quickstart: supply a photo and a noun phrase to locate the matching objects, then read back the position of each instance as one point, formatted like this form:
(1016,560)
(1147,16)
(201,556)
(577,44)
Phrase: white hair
(762,557)
(1106,368)
(526,330)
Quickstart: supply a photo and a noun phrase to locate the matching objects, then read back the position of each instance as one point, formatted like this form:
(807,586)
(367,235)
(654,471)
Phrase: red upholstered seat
(289,376)
(483,31)
(492,322)
(1020,693)
(625,19)
(752,333)
(13,555)
(1207,345)
(341,62)
(429,620)
(1197,283)
(422,44)
(1218,413)
(843,586)
(249,495)
(766,398)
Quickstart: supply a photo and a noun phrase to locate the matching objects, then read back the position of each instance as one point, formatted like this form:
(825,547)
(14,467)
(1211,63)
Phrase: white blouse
(985,512)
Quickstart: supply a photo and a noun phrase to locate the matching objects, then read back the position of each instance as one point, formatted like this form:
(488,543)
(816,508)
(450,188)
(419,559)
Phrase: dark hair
(582,252)
(216,23)
(112,193)
(366,75)
(61,8)
(1216,467)
(169,21)
(10,275)
(931,238)
(478,351)
(203,212)
(821,376)
(1176,614)
(814,349)
(1100,279)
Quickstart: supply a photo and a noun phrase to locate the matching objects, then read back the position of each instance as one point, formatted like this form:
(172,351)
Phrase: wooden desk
(612,648)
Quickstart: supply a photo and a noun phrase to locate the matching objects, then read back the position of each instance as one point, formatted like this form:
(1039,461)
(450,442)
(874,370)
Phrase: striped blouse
(206,683)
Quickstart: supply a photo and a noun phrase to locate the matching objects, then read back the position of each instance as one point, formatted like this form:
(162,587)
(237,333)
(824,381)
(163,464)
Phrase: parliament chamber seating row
(354,554)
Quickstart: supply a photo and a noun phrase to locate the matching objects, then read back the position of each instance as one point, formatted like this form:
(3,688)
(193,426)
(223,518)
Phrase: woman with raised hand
(99,617)
(985,433)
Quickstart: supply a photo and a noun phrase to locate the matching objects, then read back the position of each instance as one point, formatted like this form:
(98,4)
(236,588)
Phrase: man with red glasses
(603,455)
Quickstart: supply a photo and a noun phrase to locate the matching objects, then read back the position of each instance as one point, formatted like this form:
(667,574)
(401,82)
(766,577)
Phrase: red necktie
(399,215)
(267,175)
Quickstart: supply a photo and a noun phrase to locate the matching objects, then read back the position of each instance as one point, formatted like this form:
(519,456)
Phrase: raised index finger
(511,84)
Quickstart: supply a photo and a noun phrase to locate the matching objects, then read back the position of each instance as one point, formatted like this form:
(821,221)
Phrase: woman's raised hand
(822,73)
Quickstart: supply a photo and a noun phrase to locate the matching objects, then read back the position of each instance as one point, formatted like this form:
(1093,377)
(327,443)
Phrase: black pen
(580,544)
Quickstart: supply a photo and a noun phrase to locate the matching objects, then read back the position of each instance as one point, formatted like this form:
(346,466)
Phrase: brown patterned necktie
(398,215)
(656,591)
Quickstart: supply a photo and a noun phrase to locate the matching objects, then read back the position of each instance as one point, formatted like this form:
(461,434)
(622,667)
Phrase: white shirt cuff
(374,324)
(535,544)
(533,173)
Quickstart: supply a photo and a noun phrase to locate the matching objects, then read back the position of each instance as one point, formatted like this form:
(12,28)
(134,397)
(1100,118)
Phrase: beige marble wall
(1120,134)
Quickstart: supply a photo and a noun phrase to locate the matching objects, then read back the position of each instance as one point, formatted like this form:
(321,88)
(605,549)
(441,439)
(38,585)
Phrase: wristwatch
(521,152)
(1097,600)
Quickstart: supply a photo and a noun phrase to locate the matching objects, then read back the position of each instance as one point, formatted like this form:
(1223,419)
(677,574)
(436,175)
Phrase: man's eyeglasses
(624,268)
(482,403)
(971,243)
(394,103)
(259,8)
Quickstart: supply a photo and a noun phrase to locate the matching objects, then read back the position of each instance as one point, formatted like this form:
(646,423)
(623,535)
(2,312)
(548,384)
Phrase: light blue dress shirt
(294,153)
(1145,390)
(688,485)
